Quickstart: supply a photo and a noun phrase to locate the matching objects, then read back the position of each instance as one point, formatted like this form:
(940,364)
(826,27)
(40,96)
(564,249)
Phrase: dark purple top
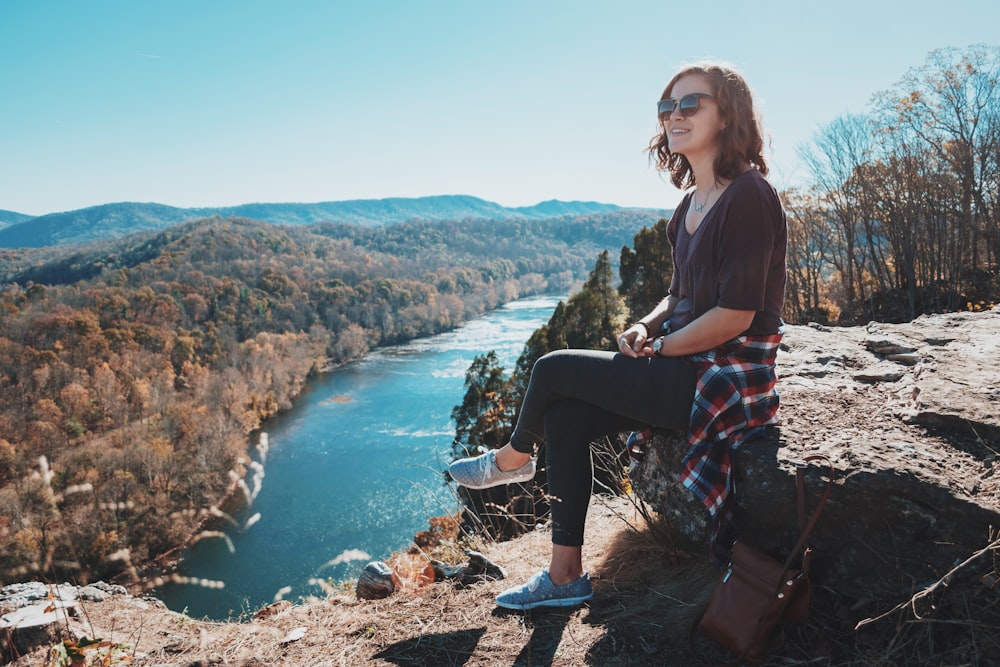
(736,257)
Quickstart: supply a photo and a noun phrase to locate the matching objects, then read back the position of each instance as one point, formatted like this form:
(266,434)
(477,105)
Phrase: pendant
(698,207)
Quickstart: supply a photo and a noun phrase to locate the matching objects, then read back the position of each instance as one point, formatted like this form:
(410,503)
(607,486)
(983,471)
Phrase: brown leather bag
(756,591)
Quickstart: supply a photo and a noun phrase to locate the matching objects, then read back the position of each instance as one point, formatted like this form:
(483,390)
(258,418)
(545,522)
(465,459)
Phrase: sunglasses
(688,105)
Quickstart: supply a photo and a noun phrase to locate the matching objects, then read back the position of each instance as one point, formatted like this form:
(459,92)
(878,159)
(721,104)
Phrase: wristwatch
(657,344)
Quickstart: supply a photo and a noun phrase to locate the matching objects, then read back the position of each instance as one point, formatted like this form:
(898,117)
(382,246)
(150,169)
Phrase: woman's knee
(557,363)
(545,368)
(549,359)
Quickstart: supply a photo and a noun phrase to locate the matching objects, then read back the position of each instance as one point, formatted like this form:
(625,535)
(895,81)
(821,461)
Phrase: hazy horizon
(330,201)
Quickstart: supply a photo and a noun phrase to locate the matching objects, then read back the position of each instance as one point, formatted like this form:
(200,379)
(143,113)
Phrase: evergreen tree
(646,271)
(484,419)
(596,314)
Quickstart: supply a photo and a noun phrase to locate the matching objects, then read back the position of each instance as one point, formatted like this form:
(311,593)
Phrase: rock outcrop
(909,414)
(37,614)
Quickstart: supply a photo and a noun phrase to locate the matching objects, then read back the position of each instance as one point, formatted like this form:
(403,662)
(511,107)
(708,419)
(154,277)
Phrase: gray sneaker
(541,592)
(481,472)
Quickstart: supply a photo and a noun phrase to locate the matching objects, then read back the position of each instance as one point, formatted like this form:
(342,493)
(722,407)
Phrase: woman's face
(697,134)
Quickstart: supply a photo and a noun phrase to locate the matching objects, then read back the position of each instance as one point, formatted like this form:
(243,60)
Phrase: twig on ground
(943,581)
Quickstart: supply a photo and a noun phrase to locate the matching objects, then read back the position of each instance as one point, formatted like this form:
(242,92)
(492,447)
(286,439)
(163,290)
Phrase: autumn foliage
(902,216)
(132,372)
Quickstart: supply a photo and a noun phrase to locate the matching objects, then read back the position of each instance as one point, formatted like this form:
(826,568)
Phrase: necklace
(697,206)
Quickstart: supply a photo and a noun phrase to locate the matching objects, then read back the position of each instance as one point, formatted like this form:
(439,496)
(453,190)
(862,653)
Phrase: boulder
(909,414)
(377,581)
(37,624)
(34,614)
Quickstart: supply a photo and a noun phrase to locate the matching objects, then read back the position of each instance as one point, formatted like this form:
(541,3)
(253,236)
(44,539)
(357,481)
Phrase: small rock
(883,371)
(908,359)
(272,609)
(147,601)
(480,568)
(92,594)
(294,636)
(444,571)
(880,344)
(110,589)
(212,659)
(377,581)
(180,645)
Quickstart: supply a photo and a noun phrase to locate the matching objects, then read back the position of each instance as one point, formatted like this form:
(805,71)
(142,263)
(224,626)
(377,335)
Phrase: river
(355,466)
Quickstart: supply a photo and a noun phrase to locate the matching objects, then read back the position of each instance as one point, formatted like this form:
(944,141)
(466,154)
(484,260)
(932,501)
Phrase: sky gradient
(225,102)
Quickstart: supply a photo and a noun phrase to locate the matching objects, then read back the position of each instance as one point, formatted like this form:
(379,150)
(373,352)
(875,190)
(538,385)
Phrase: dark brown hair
(741,140)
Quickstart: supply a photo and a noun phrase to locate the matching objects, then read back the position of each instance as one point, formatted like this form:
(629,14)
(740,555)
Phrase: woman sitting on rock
(701,363)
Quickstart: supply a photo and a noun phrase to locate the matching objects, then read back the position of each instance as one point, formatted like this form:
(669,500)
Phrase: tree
(910,193)
(837,151)
(646,271)
(596,314)
(952,103)
(809,239)
(484,419)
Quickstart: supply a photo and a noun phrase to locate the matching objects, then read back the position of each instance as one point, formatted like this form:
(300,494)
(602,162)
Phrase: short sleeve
(746,247)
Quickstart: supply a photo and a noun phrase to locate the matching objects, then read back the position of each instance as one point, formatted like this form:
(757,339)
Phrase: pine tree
(596,314)
(484,419)
(645,272)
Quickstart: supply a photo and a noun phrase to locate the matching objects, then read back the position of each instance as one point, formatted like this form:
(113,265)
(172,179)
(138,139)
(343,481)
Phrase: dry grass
(646,597)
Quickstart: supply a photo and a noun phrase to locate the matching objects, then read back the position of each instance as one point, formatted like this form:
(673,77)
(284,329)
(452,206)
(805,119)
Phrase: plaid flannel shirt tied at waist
(734,400)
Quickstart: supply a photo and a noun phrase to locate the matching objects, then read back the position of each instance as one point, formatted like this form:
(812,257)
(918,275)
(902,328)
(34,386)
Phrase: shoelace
(490,463)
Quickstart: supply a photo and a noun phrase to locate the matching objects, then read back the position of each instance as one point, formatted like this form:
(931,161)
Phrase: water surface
(355,465)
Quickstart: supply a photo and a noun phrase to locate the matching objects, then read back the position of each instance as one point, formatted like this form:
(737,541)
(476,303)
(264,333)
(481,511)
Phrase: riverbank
(326,490)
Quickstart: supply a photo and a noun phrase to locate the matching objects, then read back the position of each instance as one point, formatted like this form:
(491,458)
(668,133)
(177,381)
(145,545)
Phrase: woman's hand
(632,342)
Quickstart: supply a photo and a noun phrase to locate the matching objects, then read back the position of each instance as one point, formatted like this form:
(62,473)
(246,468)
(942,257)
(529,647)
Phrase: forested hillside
(131,372)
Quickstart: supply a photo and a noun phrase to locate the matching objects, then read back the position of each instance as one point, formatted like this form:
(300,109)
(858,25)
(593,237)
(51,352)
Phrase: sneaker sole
(495,481)
(552,602)
(501,482)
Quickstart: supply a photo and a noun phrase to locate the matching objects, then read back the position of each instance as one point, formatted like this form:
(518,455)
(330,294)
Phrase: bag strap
(806,527)
(800,497)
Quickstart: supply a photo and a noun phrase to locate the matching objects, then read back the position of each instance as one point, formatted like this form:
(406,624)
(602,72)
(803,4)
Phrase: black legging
(577,396)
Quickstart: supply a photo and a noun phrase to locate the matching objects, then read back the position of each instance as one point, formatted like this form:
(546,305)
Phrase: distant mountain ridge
(118,219)
(12,218)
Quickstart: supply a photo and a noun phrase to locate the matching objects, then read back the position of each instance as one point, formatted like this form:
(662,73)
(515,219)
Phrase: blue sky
(224,102)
